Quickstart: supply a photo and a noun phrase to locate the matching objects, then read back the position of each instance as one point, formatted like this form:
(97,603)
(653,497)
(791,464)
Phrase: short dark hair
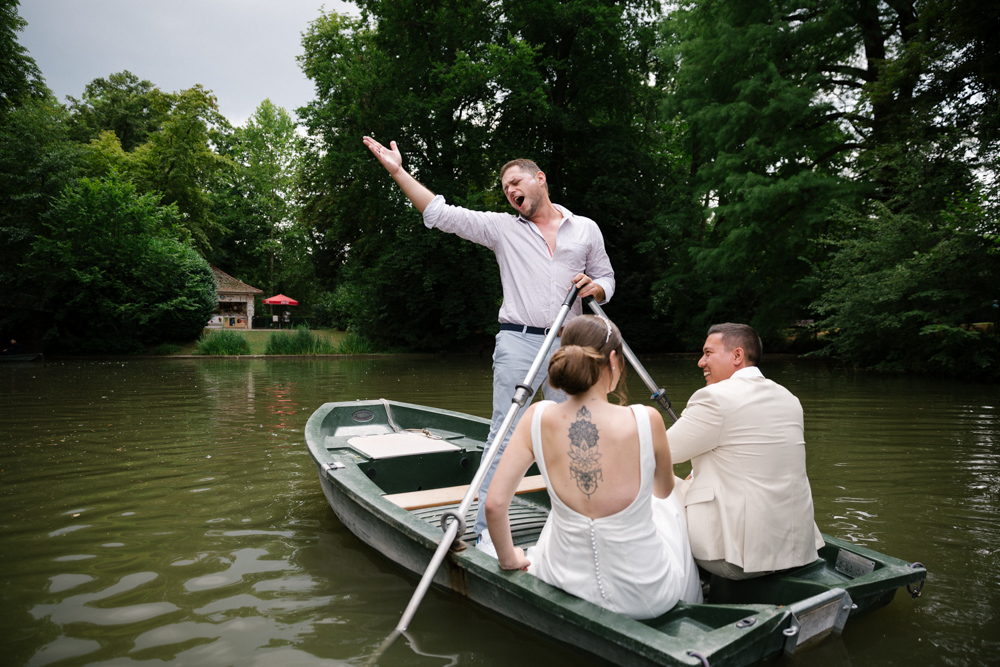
(740,335)
(524,163)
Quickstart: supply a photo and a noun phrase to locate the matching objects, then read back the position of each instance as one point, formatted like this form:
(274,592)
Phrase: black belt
(524,328)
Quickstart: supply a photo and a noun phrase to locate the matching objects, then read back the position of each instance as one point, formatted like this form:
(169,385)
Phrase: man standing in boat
(748,501)
(542,251)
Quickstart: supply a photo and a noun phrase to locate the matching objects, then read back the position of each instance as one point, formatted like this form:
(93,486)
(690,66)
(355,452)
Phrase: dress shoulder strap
(536,438)
(647,458)
(643,424)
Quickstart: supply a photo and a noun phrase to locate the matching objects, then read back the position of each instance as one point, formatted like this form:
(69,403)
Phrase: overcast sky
(242,50)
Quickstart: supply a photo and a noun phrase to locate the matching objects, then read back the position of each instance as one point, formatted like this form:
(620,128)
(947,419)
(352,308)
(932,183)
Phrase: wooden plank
(453,494)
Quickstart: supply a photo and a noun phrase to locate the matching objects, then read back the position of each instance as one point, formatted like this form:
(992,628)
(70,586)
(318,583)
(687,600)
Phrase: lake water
(167,512)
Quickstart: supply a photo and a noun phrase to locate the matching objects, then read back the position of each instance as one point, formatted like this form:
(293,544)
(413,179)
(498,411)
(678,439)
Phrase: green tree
(372,247)
(924,122)
(257,203)
(37,160)
(752,87)
(116,277)
(20,78)
(902,295)
(794,108)
(178,161)
(131,108)
(464,87)
(177,156)
(968,71)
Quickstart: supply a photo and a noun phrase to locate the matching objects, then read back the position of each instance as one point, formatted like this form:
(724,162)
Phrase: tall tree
(815,128)
(752,87)
(20,77)
(257,203)
(417,76)
(163,142)
(911,281)
(792,105)
(131,108)
(464,87)
(180,163)
(37,160)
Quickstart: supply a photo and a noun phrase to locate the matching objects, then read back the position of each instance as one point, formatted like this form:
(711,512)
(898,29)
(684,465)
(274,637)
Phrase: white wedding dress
(636,562)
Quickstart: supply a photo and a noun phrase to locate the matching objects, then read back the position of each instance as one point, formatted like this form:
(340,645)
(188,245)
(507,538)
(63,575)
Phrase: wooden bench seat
(450,495)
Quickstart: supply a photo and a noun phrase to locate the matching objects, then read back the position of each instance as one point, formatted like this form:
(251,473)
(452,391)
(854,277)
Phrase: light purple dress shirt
(535,281)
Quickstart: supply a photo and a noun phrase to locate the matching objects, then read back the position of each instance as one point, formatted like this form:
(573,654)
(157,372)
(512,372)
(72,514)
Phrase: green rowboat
(391,471)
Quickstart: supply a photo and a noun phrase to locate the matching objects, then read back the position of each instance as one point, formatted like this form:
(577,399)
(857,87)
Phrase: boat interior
(424,460)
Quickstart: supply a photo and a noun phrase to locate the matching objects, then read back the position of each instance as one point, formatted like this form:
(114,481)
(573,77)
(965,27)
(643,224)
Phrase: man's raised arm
(392,160)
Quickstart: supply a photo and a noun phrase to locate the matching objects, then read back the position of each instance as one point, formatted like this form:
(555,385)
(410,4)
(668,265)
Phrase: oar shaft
(659,393)
(521,395)
(425,581)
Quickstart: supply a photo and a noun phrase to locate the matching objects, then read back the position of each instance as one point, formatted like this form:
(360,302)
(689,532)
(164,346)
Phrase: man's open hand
(390,157)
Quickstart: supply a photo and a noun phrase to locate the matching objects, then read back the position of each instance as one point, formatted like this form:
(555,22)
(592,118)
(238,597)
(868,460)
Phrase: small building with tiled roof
(235,307)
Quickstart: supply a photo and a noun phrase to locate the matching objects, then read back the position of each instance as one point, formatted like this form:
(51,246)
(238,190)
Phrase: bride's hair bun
(575,368)
(585,351)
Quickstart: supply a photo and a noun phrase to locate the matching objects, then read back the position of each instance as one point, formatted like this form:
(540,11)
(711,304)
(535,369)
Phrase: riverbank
(257,340)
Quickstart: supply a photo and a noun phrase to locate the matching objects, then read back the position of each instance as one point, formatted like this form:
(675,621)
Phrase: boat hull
(743,625)
(554,613)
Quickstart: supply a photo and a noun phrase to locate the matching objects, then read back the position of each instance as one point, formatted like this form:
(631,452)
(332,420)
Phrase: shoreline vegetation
(302,341)
(266,342)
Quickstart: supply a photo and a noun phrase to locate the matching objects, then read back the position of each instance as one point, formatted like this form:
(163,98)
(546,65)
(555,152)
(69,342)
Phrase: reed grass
(303,341)
(223,343)
(356,344)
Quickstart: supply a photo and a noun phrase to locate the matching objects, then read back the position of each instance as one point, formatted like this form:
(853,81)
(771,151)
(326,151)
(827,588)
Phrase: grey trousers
(512,358)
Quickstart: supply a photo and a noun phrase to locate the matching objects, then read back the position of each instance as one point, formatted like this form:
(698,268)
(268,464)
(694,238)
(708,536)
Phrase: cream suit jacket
(749,500)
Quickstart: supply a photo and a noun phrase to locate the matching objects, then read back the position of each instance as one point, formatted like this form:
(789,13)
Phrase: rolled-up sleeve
(599,266)
(477,226)
(699,428)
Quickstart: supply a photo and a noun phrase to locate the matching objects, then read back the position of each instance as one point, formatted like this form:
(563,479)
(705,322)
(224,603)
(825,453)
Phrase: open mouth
(519,200)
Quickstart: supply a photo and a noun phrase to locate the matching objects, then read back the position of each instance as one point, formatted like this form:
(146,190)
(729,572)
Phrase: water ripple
(202,537)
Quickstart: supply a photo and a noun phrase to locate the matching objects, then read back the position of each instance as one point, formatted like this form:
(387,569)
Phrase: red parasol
(281,300)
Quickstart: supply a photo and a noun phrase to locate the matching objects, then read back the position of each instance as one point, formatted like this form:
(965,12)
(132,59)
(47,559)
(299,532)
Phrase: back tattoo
(583,454)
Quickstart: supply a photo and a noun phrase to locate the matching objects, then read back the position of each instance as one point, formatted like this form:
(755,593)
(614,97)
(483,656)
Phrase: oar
(659,393)
(456,526)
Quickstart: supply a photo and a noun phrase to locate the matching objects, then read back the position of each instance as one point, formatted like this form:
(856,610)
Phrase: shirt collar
(566,213)
(748,372)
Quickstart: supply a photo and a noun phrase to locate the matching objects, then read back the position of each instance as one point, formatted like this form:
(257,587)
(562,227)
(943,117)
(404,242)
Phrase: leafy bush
(116,276)
(328,312)
(223,343)
(302,341)
(904,295)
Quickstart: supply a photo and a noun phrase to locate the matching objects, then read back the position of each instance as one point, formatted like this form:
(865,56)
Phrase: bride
(616,535)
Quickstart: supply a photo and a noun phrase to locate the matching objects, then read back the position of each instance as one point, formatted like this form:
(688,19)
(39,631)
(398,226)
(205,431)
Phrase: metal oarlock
(659,393)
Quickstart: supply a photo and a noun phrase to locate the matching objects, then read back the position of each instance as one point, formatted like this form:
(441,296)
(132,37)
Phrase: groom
(748,502)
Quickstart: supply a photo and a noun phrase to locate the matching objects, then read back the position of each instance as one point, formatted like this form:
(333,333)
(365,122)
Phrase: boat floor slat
(526,520)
